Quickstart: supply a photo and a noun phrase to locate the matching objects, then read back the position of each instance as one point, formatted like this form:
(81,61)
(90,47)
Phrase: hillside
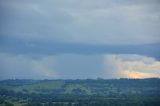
(80,92)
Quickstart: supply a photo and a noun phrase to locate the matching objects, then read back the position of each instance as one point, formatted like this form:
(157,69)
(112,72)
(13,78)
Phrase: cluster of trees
(78,100)
(135,100)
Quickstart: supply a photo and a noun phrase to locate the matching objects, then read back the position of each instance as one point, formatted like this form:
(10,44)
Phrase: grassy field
(45,85)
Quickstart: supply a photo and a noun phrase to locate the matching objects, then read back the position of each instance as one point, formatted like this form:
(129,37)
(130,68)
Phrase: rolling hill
(76,92)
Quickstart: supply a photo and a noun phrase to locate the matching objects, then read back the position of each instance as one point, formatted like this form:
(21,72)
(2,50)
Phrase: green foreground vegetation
(89,92)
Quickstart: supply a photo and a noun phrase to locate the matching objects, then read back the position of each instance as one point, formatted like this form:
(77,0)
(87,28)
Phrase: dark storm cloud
(38,48)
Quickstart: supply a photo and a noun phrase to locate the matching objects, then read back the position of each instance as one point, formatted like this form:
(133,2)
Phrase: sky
(79,39)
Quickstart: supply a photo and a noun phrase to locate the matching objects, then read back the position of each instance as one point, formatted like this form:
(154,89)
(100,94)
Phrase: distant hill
(71,90)
(84,87)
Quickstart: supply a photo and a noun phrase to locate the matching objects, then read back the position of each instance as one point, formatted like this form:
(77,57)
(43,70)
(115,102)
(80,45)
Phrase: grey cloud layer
(93,22)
